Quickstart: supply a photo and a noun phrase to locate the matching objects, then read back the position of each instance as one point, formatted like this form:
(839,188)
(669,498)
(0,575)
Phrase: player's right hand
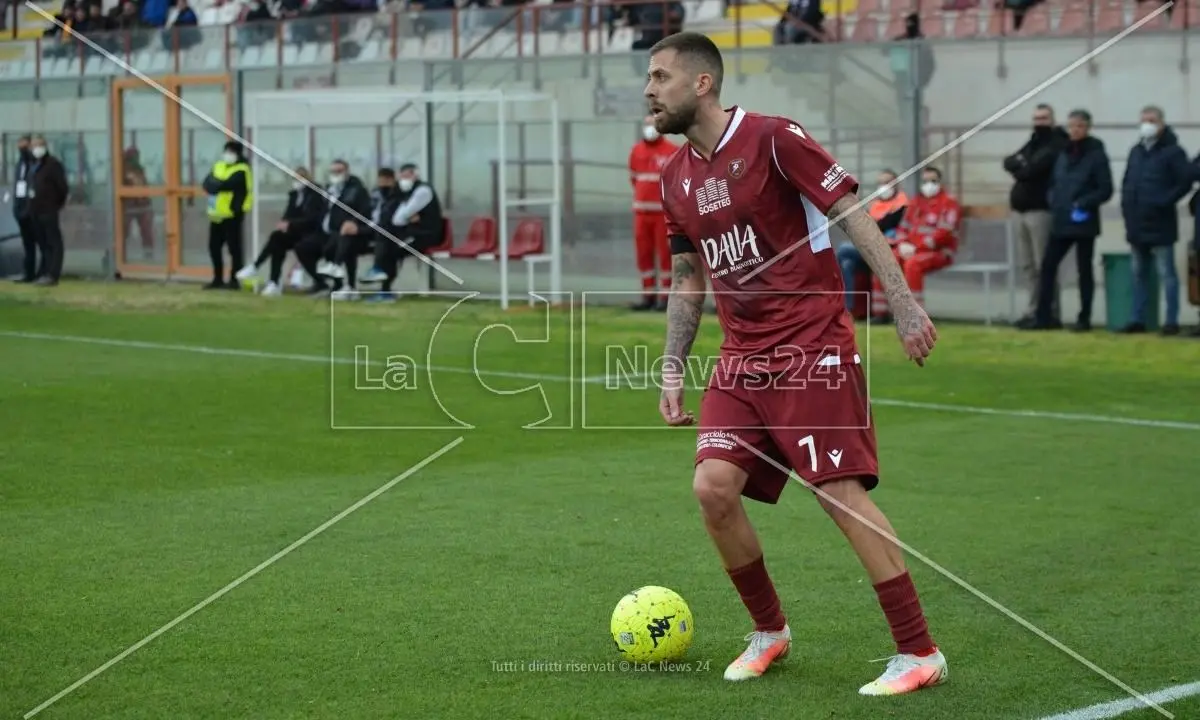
(916,331)
(670,406)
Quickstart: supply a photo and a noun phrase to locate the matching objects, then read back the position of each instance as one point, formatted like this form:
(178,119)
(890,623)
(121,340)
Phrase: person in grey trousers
(1032,171)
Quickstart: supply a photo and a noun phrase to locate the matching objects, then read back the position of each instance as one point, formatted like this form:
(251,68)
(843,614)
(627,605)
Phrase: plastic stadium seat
(1158,23)
(1110,19)
(1037,21)
(443,248)
(1076,20)
(528,239)
(481,239)
(966,25)
(866,29)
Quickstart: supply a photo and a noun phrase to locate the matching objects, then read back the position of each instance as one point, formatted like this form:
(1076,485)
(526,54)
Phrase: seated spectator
(411,214)
(74,20)
(124,18)
(655,21)
(802,22)
(342,236)
(887,208)
(182,29)
(254,23)
(925,241)
(302,217)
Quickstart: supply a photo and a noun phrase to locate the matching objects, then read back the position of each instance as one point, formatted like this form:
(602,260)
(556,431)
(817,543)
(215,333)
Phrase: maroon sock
(898,598)
(758,595)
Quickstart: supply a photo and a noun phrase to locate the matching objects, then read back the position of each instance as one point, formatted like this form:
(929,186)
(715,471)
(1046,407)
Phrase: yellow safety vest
(220,206)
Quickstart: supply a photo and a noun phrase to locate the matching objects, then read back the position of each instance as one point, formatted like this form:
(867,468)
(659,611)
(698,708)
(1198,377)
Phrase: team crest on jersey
(736,168)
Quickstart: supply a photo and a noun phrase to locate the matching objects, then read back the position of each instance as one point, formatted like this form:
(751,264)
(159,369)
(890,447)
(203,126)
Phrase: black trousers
(1057,249)
(29,241)
(277,247)
(389,256)
(225,234)
(50,243)
(338,249)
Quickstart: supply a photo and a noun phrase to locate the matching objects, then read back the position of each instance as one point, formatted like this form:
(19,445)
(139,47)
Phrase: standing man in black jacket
(47,194)
(411,214)
(29,236)
(1032,170)
(341,237)
(1082,183)
(1157,177)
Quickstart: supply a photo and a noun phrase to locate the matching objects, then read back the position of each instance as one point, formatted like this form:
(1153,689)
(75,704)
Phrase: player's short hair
(386,172)
(698,49)
(934,170)
(1083,115)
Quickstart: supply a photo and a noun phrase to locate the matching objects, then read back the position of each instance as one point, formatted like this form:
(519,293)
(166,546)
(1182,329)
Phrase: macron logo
(836,457)
(795,130)
(687,186)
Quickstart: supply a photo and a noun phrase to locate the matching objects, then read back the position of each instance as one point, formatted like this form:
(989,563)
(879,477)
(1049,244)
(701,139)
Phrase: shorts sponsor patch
(717,440)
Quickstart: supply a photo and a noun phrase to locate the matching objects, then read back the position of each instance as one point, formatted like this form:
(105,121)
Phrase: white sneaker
(246,273)
(765,648)
(326,268)
(908,673)
(298,279)
(343,294)
(272,290)
(373,275)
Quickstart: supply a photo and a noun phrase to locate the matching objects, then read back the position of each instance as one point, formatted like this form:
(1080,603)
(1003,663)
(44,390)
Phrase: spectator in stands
(887,208)
(802,22)
(926,239)
(182,29)
(1157,176)
(255,23)
(154,12)
(1032,170)
(137,210)
(125,18)
(22,213)
(1194,207)
(411,214)
(48,191)
(655,20)
(1019,9)
(75,21)
(302,217)
(1082,183)
(342,236)
(230,197)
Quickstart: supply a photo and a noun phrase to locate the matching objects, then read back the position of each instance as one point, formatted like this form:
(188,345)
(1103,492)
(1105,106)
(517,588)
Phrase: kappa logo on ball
(736,168)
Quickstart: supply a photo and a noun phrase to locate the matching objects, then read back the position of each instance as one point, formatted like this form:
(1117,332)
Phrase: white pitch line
(593,380)
(1116,708)
(256,570)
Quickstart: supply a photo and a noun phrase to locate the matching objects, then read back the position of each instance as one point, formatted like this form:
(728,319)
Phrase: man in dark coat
(1082,183)
(48,192)
(1157,177)
(1032,171)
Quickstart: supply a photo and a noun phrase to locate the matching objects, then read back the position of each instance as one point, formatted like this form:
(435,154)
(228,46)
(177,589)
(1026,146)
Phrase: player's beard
(676,122)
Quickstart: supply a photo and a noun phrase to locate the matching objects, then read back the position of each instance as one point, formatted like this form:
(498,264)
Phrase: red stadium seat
(1111,18)
(966,25)
(481,239)
(447,242)
(1076,20)
(1037,21)
(1160,22)
(528,239)
(866,29)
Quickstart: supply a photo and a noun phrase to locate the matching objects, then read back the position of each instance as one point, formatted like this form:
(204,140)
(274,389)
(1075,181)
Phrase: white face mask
(405,184)
(650,133)
(886,192)
(39,151)
(1148,130)
(336,178)
(229,158)
(929,189)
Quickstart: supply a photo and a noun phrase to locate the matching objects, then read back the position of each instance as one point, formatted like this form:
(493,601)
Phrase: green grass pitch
(159,442)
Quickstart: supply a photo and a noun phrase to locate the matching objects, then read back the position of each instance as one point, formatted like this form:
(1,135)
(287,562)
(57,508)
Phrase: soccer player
(747,201)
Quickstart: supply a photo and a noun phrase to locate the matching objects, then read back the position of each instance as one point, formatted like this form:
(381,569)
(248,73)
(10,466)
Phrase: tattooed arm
(684,309)
(912,324)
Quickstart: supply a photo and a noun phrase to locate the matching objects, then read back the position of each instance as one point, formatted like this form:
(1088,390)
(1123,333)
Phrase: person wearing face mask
(1082,184)
(1032,169)
(302,216)
(887,206)
(652,249)
(29,236)
(925,241)
(332,250)
(1157,176)
(412,215)
(229,199)
(47,192)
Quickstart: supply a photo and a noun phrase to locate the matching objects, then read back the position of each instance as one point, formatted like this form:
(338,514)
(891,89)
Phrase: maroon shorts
(822,430)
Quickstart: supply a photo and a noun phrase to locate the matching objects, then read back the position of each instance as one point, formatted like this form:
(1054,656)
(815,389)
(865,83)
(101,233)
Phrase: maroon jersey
(767,187)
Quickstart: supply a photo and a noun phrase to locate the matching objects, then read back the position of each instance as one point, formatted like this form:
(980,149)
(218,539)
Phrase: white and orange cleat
(908,673)
(765,648)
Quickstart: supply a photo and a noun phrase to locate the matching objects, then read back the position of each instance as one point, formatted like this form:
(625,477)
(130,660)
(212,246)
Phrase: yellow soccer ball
(652,625)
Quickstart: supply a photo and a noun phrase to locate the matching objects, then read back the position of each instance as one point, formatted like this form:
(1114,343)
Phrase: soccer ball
(652,625)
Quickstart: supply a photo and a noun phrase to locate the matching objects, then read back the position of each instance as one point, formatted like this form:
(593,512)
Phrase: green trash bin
(1118,292)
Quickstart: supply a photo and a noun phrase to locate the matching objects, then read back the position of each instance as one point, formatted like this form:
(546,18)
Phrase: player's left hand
(916,330)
